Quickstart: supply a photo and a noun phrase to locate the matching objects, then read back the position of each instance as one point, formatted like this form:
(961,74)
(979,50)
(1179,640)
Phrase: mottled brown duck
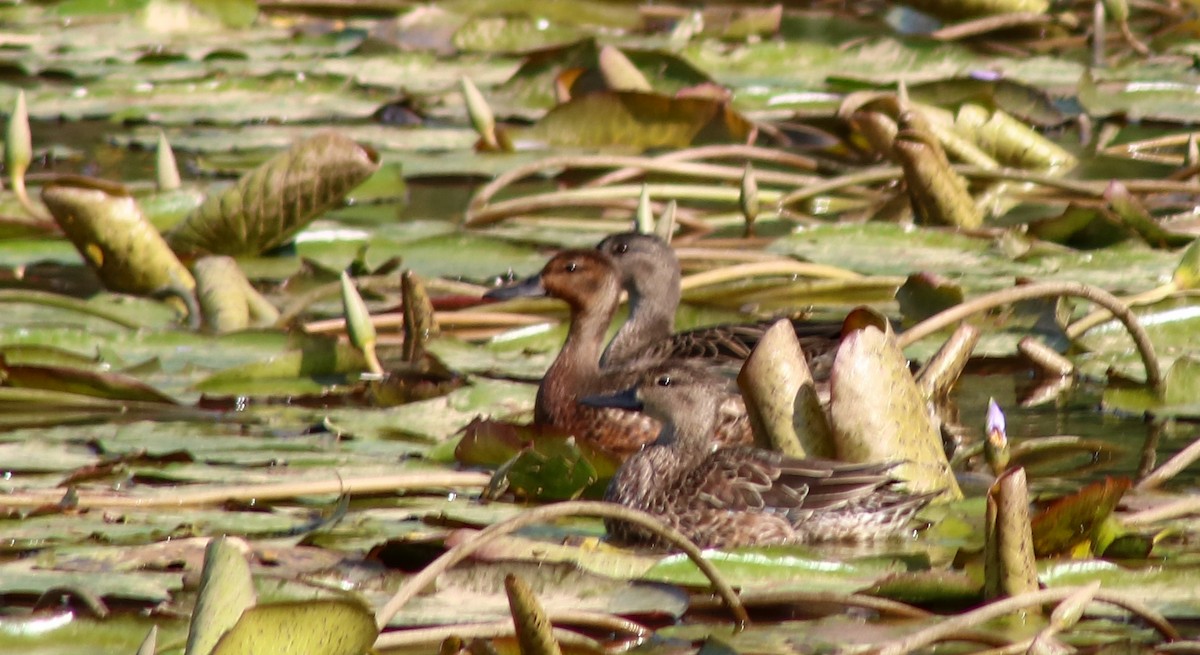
(725,496)
(650,274)
(588,283)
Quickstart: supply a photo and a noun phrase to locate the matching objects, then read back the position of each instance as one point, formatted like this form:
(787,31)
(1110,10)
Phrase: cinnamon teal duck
(587,281)
(650,274)
(725,496)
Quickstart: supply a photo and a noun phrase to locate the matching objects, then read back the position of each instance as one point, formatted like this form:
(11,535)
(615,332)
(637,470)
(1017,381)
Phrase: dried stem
(957,624)
(213,494)
(1045,290)
(1171,467)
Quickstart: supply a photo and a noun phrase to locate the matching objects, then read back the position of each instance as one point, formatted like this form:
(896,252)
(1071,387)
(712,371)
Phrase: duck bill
(527,288)
(627,399)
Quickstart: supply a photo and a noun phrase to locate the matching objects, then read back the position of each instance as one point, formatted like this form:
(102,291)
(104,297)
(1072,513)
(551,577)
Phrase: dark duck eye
(571,266)
(663,381)
(622,248)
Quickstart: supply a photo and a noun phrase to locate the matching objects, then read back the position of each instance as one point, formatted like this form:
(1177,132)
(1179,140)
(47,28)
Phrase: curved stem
(420,581)
(764,269)
(719,151)
(632,165)
(869,176)
(604,195)
(793,597)
(212,494)
(974,618)
(491,630)
(1045,290)
(504,628)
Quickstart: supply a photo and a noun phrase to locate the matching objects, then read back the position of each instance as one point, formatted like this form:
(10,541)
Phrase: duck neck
(577,364)
(651,318)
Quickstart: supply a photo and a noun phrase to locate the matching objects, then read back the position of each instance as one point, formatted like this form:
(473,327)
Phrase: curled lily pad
(225,592)
(879,414)
(227,299)
(781,396)
(1008,553)
(114,238)
(274,201)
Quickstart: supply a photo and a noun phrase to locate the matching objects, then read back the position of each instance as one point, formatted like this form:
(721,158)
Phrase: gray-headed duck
(650,274)
(725,496)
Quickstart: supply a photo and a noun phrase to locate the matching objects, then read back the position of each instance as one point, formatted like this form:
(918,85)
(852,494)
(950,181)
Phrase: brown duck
(588,283)
(724,496)
(650,273)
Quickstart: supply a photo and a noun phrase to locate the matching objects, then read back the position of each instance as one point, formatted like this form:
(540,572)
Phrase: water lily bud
(995,445)
(165,169)
(748,198)
(644,218)
(18,142)
(358,324)
(665,228)
(481,115)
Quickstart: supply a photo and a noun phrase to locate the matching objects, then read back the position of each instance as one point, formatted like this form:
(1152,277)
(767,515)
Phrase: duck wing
(751,479)
(736,341)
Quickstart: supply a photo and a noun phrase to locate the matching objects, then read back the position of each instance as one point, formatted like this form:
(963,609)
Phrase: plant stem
(1045,290)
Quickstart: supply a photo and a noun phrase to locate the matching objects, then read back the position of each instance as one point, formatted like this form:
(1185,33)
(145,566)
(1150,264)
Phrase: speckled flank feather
(733,496)
(649,272)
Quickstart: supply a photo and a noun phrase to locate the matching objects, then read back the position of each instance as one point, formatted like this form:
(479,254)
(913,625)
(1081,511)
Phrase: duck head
(645,263)
(683,396)
(581,278)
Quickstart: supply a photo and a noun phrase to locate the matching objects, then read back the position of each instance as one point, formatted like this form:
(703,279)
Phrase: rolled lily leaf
(939,375)
(529,617)
(419,323)
(1010,141)
(1009,566)
(879,414)
(227,299)
(226,591)
(781,397)
(273,202)
(938,193)
(115,239)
